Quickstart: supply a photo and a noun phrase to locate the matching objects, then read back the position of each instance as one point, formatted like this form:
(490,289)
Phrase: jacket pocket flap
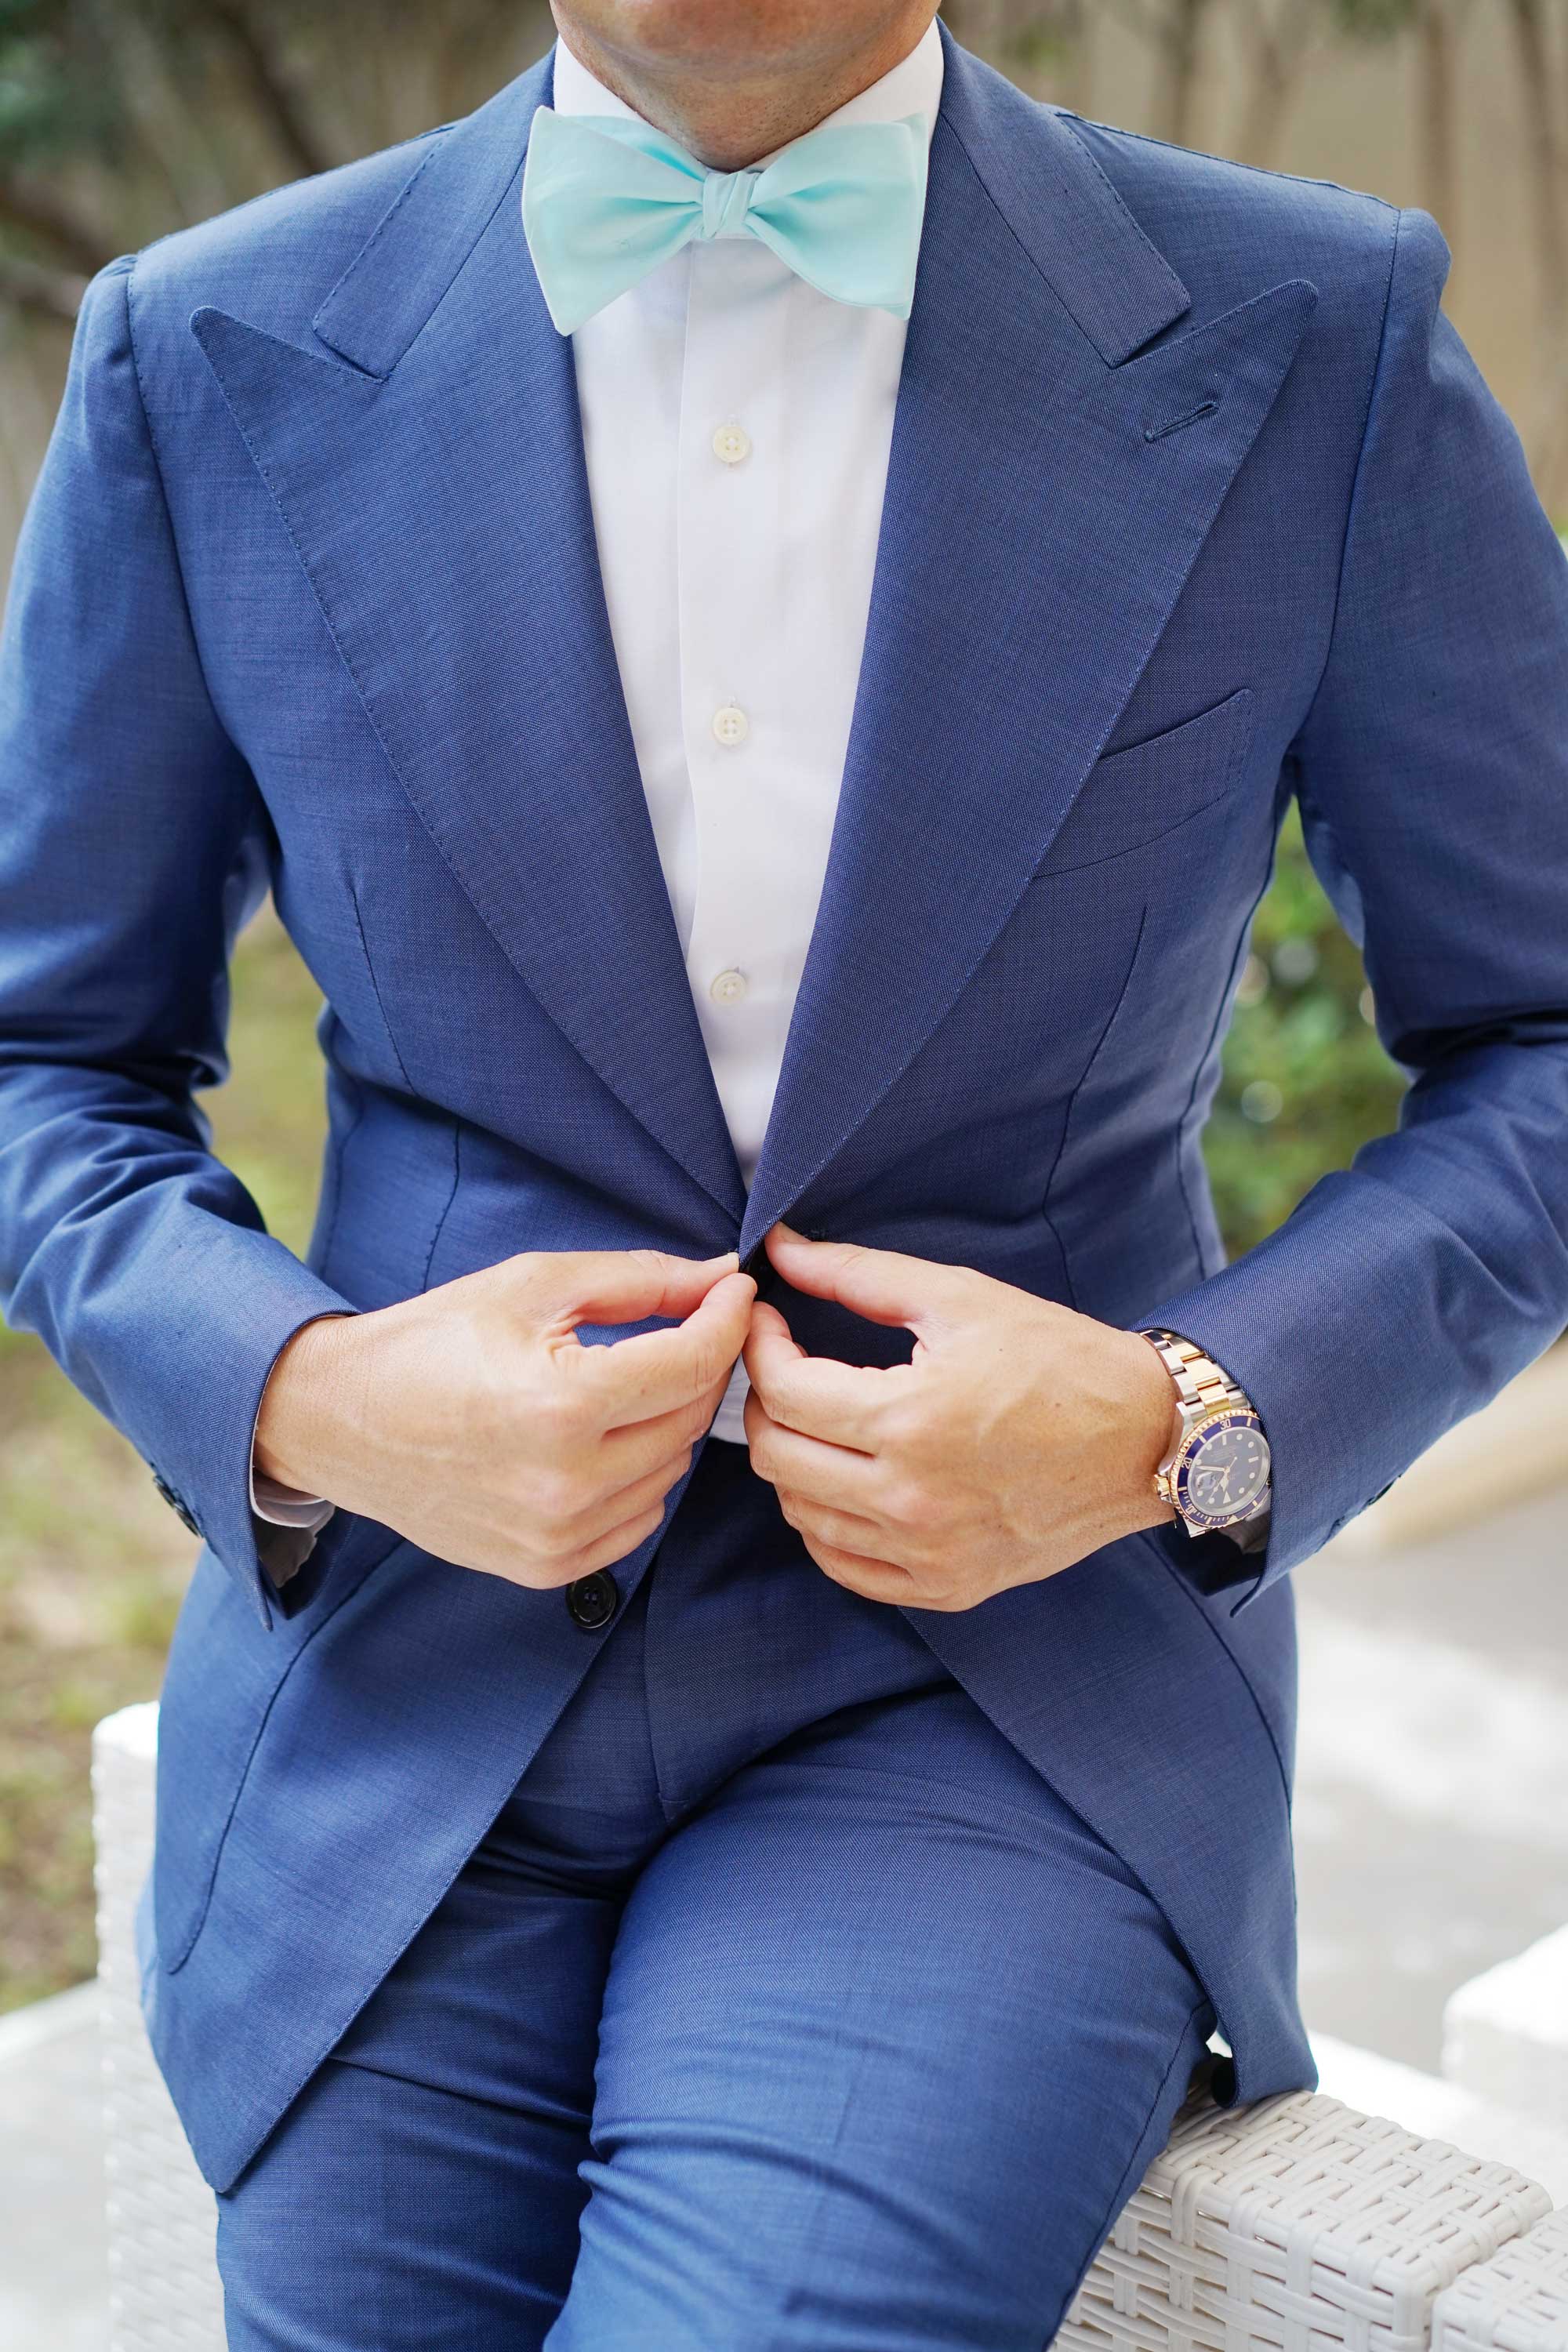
(1136,796)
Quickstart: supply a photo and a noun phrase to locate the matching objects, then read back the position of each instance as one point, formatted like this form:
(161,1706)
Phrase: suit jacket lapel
(1047,496)
(428,458)
(1049,491)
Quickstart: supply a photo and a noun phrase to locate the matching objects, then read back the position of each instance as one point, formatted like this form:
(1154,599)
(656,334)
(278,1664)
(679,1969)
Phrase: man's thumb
(884,1285)
(629,1285)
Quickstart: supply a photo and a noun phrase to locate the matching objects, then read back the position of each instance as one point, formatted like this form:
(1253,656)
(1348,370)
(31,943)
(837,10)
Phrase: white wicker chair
(1296,2225)
(163,2285)
(1515,2303)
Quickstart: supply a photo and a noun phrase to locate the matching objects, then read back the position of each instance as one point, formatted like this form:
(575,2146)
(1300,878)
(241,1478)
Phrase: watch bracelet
(1203,1387)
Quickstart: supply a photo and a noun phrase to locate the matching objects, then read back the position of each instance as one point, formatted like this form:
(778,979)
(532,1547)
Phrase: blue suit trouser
(784,2005)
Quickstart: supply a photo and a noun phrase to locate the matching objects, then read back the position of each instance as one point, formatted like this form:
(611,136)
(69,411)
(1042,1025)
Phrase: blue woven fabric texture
(806,2001)
(1195,502)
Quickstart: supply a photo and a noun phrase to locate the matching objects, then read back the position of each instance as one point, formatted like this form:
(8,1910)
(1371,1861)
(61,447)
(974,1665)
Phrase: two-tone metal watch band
(1200,1382)
(1203,1389)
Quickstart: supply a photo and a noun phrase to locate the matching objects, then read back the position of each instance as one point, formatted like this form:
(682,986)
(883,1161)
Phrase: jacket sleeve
(1432,772)
(132,843)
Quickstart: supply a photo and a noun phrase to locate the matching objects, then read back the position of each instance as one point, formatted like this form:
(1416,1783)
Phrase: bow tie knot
(606,198)
(726,200)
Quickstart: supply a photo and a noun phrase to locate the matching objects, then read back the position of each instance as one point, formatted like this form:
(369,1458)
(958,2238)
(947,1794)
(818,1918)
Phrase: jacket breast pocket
(1135,796)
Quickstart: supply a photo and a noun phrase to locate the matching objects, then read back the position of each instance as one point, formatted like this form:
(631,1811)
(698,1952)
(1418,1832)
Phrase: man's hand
(1020,1438)
(473,1420)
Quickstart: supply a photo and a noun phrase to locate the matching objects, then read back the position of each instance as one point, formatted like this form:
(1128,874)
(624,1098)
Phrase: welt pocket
(1138,795)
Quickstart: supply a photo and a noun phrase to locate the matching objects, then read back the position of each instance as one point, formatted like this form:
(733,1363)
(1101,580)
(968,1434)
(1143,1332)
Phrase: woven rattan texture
(1298,2224)
(163,2286)
(1515,2303)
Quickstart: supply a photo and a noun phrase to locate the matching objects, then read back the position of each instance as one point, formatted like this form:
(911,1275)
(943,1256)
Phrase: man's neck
(729,115)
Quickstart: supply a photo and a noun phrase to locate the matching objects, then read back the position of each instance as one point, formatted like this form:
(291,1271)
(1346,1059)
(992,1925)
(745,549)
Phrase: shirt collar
(913,87)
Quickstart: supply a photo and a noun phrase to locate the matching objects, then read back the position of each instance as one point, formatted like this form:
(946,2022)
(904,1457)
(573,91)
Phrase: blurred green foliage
(92,1565)
(1306,1081)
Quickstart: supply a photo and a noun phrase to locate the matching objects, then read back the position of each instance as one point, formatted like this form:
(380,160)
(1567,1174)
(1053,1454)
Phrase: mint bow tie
(605,199)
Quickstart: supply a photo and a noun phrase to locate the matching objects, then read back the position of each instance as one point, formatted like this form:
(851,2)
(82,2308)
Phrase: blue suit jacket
(1195,502)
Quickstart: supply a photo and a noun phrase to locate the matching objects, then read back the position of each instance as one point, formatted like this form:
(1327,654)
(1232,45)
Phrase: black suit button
(176,1504)
(592,1600)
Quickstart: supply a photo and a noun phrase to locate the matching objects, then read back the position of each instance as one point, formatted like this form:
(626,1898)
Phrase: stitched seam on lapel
(399,771)
(985,185)
(1114,193)
(445,294)
(436,143)
(338,645)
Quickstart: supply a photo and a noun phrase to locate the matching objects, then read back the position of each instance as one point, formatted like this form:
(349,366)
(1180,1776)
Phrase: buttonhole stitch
(1158,432)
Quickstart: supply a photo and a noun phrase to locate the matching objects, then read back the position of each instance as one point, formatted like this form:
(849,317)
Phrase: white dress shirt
(736,425)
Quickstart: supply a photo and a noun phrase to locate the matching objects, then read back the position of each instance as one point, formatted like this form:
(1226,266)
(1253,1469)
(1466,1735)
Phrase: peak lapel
(434,488)
(1047,496)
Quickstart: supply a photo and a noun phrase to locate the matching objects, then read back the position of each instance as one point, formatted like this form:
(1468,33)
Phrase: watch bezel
(1227,1416)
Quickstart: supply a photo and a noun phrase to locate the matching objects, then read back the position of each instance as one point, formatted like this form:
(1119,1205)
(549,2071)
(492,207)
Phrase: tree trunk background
(1460,106)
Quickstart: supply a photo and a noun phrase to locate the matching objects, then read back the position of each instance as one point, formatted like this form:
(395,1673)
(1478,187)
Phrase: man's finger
(846,1532)
(815,1471)
(884,1285)
(629,1452)
(815,1395)
(874,1579)
(623,1285)
(655,1371)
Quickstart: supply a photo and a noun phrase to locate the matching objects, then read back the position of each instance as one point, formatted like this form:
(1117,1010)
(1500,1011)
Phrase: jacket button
(176,1503)
(592,1600)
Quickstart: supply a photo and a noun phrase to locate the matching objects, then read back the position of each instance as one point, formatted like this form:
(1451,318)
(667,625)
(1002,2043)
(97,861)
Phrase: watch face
(1223,1469)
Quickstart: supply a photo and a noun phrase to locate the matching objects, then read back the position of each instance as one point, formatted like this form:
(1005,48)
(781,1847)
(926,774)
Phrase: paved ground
(1432,1835)
(1432,1791)
(54,2279)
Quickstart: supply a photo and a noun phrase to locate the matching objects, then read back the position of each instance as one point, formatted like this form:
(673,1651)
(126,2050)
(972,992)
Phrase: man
(642,1862)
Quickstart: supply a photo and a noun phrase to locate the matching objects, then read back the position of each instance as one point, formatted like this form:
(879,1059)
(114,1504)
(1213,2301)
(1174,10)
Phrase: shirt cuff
(286,1507)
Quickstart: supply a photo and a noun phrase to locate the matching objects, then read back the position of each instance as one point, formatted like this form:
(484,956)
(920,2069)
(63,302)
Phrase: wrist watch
(1216,1476)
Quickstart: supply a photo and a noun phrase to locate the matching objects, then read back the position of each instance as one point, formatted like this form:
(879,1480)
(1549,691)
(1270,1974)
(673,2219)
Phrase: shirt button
(732,444)
(731,724)
(728,987)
